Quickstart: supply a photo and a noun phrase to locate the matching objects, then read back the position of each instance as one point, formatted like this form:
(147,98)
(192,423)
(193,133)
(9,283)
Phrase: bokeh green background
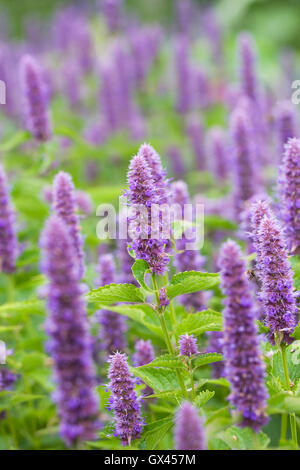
(279,20)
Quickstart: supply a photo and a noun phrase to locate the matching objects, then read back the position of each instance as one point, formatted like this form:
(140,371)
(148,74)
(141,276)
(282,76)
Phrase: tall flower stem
(166,334)
(171,309)
(288,386)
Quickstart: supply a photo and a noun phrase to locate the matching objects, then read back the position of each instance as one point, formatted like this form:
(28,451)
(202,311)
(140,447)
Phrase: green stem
(192,379)
(283,428)
(171,309)
(167,336)
(288,386)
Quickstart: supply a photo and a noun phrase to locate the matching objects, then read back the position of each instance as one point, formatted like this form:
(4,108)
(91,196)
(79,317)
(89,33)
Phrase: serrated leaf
(139,269)
(176,394)
(153,433)
(142,313)
(115,293)
(160,380)
(191,281)
(203,397)
(293,361)
(167,360)
(244,439)
(198,323)
(207,358)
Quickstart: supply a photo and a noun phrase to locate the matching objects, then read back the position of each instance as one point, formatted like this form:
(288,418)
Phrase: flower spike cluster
(8,233)
(70,342)
(243,365)
(64,205)
(277,297)
(189,432)
(289,184)
(123,400)
(35,99)
(144,192)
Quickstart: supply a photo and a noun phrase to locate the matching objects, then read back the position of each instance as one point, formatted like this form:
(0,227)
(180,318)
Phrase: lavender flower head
(123,400)
(247,51)
(195,133)
(8,233)
(216,346)
(70,343)
(258,210)
(143,192)
(217,150)
(243,365)
(289,188)
(189,432)
(183,75)
(157,171)
(277,282)
(113,326)
(188,345)
(64,205)
(112,10)
(144,353)
(35,99)
(245,170)
(285,124)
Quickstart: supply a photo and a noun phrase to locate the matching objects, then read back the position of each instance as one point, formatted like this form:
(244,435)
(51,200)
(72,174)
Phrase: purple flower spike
(157,171)
(142,194)
(163,299)
(113,325)
(70,343)
(284,124)
(183,74)
(112,10)
(245,174)
(277,282)
(195,133)
(187,260)
(189,432)
(243,365)
(248,60)
(8,233)
(144,353)
(289,187)
(188,345)
(177,161)
(35,99)
(217,149)
(64,205)
(216,346)
(123,400)
(258,210)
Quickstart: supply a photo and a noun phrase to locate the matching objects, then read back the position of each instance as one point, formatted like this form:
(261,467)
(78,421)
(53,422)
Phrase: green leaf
(207,358)
(244,439)
(293,361)
(140,313)
(114,293)
(27,306)
(191,281)
(215,222)
(203,397)
(154,432)
(198,323)
(167,360)
(17,398)
(296,332)
(161,380)
(139,269)
(176,394)
(14,141)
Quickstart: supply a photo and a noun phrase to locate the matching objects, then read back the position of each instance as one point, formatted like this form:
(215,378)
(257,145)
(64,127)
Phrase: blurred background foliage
(276,20)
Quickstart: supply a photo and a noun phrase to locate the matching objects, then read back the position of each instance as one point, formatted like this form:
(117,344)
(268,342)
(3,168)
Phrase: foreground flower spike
(277,282)
(258,210)
(284,124)
(245,174)
(247,51)
(64,205)
(157,171)
(8,233)
(35,99)
(142,194)
(289,189)
(123,400)
(188,345)
(113,325)
(187,260)
(243,364)
(70,342)
(189,432)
